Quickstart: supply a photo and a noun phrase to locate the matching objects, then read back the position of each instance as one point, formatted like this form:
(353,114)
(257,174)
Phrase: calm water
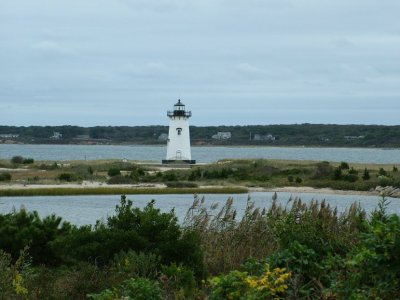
(201,154)
(82,210)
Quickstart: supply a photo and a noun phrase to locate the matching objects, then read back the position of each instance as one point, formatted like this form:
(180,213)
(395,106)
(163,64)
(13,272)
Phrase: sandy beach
(305,189)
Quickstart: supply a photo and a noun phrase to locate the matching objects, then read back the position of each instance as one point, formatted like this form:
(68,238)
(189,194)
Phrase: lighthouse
(178,146)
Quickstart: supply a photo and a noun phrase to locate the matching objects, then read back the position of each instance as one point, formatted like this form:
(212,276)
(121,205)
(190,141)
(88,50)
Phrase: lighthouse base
(175,161)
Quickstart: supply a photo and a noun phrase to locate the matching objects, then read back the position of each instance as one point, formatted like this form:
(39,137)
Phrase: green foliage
(17,159)
(373,268)
(382,172)
(366,175)
(22,228)
(323,170)
(178,282)
(114,172)
(298,180)
(137,289)
(131,228)
(120,179)
(28,161)
(133,264)
(5,176)
(239,285)
(344,165)
(181,184)
(337,174)
(68,177)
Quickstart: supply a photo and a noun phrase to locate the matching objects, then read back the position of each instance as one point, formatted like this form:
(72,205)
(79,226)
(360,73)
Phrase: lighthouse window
(179,130)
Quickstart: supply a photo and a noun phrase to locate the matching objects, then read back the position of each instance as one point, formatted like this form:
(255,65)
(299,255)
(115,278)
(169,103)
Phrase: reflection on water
(82,210)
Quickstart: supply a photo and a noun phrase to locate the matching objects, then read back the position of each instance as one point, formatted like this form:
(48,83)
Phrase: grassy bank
(119,191)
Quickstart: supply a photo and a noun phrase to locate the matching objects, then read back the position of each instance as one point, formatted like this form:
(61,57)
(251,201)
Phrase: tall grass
(118,191)
(228,242)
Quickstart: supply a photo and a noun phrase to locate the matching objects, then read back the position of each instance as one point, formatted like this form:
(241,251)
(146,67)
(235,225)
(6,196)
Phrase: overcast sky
(126,62)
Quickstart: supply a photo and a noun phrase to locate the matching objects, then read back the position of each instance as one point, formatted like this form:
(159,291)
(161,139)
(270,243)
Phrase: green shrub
(298,180)
(323,170)
(5,176)
(132,264)
(119,179)
(384,181)
(138,289)
(68,177)
(28,161)
(114,172)
(337,174)
(366,175)
(140,230)
(382,172)
(17,159)
(178,282)
(181,184)
(21,229)
(344,165)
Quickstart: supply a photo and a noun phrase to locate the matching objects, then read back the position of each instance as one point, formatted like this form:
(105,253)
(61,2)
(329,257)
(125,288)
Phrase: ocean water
(200,154)
(81,210)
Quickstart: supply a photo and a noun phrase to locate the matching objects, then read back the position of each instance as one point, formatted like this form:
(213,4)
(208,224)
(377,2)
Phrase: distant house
(56,136)
(82,137)
(225,135)
(266,137)
(351,137)
(163,137)
(9,136)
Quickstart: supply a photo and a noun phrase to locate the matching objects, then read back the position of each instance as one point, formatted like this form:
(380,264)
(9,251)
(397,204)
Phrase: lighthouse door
(179,154)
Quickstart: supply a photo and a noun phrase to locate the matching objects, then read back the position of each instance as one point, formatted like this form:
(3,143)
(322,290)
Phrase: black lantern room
(179,111)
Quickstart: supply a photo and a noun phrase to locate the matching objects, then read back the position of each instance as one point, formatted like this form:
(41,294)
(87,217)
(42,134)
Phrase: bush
(181,184)
(17,159)
(114,172)
(323,170)
(119,179)
(140,230)
(28,161)
(298,180)
(21,229)
(239,285)
(68,177)
(344,165)
(366,175)
(138,289)
(5,176)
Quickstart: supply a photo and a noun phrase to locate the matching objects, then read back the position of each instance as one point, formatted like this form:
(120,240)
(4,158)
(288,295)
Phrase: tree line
(279,135)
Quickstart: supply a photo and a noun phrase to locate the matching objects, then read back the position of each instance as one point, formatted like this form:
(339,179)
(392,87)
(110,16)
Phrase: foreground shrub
(239,285)
(141,230)
(21,229)
(139,289)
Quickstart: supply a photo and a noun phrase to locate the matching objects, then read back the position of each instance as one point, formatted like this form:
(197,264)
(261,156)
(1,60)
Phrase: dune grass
(119,191)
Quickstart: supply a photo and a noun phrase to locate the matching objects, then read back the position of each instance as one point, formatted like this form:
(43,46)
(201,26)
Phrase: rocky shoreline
(388,191)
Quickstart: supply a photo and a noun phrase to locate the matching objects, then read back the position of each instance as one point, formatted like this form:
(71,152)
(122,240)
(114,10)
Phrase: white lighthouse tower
(178,147)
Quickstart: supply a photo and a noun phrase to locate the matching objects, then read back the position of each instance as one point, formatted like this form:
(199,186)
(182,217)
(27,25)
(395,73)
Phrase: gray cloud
(232,61)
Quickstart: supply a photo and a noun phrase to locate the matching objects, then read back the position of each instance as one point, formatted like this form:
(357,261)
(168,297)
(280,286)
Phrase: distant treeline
(279,135)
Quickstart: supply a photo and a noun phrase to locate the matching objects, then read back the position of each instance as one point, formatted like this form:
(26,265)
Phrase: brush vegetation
(227,173)
(120,190)
(297,251)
